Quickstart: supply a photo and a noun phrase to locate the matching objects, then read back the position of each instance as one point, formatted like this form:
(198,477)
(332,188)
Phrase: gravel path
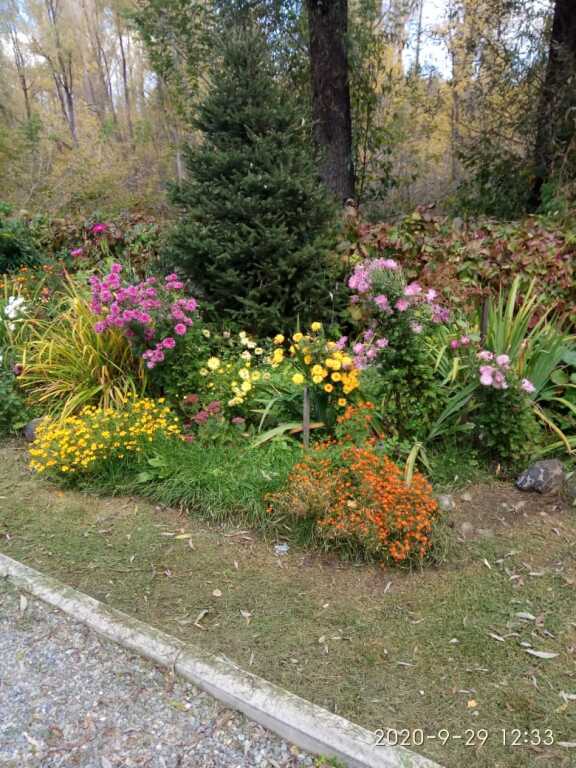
(69,698)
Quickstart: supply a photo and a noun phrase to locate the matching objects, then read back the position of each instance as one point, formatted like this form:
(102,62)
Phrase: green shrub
(257,224)
(18,247)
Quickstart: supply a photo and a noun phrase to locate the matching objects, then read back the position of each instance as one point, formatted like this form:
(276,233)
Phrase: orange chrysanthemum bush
(357,497)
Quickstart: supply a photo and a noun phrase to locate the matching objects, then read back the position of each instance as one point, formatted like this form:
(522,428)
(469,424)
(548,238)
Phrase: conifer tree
(257,223)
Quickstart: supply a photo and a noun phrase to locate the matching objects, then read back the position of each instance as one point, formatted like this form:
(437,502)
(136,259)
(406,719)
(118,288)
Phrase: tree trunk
(328,22)
(125,83)
(556,121)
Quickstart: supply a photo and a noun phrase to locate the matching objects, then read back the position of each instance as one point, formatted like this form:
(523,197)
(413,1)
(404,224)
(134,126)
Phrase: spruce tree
(257,224)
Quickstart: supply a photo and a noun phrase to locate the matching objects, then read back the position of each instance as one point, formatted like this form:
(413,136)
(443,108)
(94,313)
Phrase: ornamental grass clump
(80,445)
(358,499)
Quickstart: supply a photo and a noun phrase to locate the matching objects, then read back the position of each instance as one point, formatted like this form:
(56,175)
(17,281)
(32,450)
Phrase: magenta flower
(503,361)
(402,305)
(527,386)
(465,341)
(382,343)
(238,420)
(454,344)
(499,380)
(381,301)
(412,289)
(99,229)
(485,355)
(77,253)
(100,326)
(180,329)
(169,343)
(487,375)
(431,295)
(341,343)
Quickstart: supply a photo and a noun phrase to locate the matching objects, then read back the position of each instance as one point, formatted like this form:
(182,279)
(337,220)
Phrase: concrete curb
(299,721)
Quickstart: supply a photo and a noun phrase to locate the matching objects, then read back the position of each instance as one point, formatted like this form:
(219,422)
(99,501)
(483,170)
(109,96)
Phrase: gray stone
(446,502)
(570,488)
(30,429)
(467,530)
(486,533)
(543,477)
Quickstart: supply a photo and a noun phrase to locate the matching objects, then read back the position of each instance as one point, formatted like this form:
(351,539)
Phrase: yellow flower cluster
(74,445)
(235,375)
(319,362)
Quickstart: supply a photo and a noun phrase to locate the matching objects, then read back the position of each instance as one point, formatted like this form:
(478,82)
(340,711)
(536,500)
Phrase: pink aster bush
(394,319)
(393,310)
(153,314)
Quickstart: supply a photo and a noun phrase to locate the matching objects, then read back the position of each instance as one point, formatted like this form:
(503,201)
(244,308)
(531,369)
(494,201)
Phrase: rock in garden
(446,502)
(543,477)
(570,488)
(467,530)
(30,430)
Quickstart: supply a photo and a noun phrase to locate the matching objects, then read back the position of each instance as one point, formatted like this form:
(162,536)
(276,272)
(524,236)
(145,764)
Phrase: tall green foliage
(257,224)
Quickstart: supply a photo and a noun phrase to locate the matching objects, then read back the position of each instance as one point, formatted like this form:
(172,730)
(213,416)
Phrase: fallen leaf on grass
(541,654)
(183,536)
(216,593)
(526,616)
(487,564)
(246,615)
(494,636)
(199,618)
(567,744)
(472,704)
(567,696)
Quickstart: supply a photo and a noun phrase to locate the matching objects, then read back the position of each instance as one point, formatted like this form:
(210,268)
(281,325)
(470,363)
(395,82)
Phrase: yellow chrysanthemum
(279,339)
(298,378)
(213,363)
(316,327)
(328,388)
(298,337)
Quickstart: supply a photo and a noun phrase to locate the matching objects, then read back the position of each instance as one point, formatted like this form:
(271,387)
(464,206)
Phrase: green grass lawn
(442,650)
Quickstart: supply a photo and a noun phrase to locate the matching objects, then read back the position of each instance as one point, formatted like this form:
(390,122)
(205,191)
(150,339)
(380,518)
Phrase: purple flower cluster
(145,311)
(366,278)
(367,350)
(494,375)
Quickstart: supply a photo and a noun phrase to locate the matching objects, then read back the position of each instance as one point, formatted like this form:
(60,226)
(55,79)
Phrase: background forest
(462,103)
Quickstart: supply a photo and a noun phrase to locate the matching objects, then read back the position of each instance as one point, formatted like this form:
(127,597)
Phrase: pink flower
(169,343)
(499,380)
(454,344)
(465,341)
(341,343)
(487,375)
(485,355)
(431,294)
(402,305)
(412,289)
(358,348)
(191,399)
(389,264)
(77,252)
(100,327)
(238,420)
(503,361)
(381,301)
(417,327)
(527,386)
(180,329)
(99,229)
(382,343)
